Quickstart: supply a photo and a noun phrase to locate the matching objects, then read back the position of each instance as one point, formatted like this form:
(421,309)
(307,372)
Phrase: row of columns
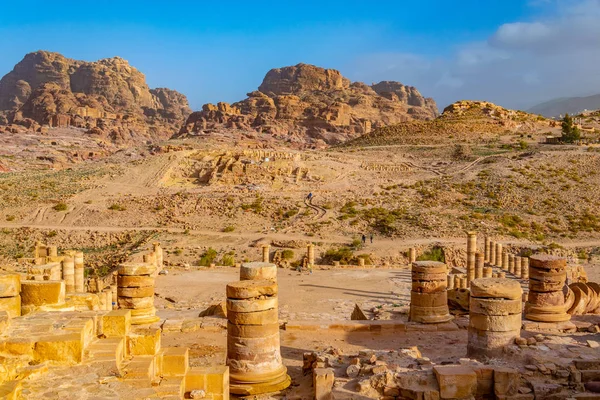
(310,253)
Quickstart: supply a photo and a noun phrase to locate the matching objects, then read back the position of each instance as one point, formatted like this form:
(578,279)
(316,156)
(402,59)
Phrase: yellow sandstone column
(79,273)
(471,250)
(68,272)
(265,253)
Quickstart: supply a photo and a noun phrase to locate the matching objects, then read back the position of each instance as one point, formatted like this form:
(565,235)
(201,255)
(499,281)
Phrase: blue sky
(496,50)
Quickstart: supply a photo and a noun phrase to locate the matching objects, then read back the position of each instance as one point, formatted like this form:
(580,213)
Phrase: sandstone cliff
(109,98)
(312,105)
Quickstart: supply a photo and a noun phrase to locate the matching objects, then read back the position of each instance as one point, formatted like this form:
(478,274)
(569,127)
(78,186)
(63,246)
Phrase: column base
(241,387)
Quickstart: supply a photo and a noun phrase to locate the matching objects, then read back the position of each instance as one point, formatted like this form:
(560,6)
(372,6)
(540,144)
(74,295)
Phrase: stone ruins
(509,302)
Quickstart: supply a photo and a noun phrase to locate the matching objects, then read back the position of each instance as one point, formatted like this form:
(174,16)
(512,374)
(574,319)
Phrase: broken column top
(251,289)
(136,269)
(547,261)
(258,271)
(496,288)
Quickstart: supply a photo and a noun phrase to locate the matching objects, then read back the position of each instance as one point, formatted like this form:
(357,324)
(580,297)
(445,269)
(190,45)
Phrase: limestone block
(40,293)
(136,269)
(506,381)
(438,299)
(18,346)
(136,302)
(323,379)
(4,321)
(456,381)
(252,331)
(12,305)
(496,288)
(256,271)
(491,340)
(485,381)
(251,289)
(66,348)
(134,281)
(10,285)
(83,301)
(116,323)
(86,327)
(495,306)
(213,380)
(144,341)
(253,318)
(504,323)
(175,361)
(146,291)
(10,390)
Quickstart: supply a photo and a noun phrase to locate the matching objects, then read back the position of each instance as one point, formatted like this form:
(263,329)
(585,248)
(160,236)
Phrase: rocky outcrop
(109,97)
(312,105)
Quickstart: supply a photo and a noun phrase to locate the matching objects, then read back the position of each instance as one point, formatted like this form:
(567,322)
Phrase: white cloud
(521,64)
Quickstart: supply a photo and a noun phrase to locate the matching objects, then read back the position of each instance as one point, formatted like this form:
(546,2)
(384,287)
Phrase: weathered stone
(496,288)
(456,381)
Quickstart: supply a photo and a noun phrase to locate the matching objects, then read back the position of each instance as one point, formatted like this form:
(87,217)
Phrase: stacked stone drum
(135,291)
(428,297)
(68,271)
(256,271)
(494,316)
(10,294)
(253,349)
(546,299)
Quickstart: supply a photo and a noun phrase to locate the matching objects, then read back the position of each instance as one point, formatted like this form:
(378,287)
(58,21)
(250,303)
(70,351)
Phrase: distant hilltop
(309,104)
(108,97)
(567,105)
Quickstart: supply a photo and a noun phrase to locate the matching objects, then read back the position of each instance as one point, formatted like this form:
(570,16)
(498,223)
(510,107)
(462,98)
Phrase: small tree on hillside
(570,133)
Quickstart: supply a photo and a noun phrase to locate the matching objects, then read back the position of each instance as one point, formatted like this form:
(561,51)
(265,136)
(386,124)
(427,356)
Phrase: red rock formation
(109,95)
(308,104)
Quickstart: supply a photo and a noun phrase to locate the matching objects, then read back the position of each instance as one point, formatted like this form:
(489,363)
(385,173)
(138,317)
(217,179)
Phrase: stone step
(106,355)
(590,375)
(141,367)
(586,396)
(174,386)
(587,364)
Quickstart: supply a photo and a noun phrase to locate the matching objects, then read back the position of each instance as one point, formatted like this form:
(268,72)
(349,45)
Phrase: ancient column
(310,254)
(113,289)
(10,294)
(502,275)
(159,255)
(494,316)
(505,257)
(456,281)
(253,348)
(471,250)
(525,267)
(102,299)
(361,262)
(518,267)
(135,291)
(258,271)
(492,259)
(68,272)
(52,251)
(450,283)
(546,300)
(479,264)
(486,252)
(412,255)
(265,253)
(428,297)
(79,273)
(511,263)
(487,272)
(108,298)
(499,255)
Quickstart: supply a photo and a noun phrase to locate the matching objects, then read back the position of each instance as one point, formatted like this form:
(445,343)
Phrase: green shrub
(10,218)
(343,254)
(207,258)
(229,228)
(435,254)
(51,234)
(256,206)
(116,207)
(290,213)
(228,260)
(60,207)
(287,254)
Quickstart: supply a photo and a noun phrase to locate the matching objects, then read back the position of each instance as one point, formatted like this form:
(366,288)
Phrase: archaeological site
(300,201)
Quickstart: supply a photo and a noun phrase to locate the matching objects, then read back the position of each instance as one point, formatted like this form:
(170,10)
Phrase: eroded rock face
(109,96)
(309,104)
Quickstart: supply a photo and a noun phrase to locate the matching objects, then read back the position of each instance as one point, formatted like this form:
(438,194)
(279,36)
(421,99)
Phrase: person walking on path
(371,238)
(364,238)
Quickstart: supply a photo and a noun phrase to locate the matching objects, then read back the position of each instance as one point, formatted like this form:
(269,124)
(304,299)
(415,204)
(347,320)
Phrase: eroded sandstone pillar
(479,264)
(257,271)
(159,255)
(68,272)
(511,264)
(253,346)
(525,267)
(494,316)
(79,273)
(428,297)
(471,250)
(546,300)
(492,259)
(505,260)
(265,253)
(486,252)
(135,291)
(310,254)
(498,261)
(518,267)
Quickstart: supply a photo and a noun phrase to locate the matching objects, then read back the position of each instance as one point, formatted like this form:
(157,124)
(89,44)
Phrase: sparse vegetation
(60,207)
(117,207)
(207,258)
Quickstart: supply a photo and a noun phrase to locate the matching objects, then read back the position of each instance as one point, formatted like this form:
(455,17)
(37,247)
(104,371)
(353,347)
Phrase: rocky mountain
(313,105)
(108,97)
(571,105)
(464,121)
